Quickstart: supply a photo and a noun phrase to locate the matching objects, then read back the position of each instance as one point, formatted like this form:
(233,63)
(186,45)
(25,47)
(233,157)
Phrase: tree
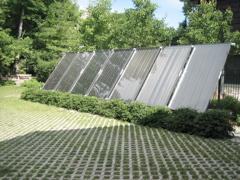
(32,30)
(140,28)
(188,7)
(96,26)
(209,25)
(59,32)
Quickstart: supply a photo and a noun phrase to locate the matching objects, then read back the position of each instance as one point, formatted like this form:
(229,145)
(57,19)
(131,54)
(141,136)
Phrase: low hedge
(7,83)
(210,124)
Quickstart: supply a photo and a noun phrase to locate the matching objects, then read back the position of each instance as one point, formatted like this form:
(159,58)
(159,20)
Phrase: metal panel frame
(76,63)
(81,72)
(164,75)
(49,80)
(65,73)
(87,69)
(133,84)
(114,79)
(199,80)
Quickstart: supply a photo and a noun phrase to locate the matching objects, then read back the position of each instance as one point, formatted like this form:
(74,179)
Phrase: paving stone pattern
(63,144)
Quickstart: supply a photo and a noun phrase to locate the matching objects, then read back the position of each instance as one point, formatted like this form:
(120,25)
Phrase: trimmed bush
(33,83)
(111,109)
(157,117)
(228,103)
(213,124)
(182,120)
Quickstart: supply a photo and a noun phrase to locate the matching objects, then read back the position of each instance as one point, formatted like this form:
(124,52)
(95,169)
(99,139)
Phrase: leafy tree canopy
(209,25)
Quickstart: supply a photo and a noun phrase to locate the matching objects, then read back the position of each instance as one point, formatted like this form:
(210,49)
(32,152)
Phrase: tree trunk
(20,28)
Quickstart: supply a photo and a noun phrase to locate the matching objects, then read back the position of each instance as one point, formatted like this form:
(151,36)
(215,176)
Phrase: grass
(45,142)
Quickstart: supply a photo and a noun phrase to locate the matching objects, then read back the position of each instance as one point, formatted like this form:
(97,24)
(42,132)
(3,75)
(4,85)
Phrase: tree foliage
(206,24)
(33,31)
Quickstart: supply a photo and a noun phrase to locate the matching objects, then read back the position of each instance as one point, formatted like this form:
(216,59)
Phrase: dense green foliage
(206,24)
(182,120)
(43,69)
(211,124)
(7,83)
(36,33)
(33,83)
(228,103)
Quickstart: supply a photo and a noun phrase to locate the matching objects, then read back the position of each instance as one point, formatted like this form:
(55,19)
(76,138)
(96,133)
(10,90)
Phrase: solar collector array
(85,81)
(200,77)
(111,73)
(79,62)
(163,76)
(59,71)
(136,72)
(174,76)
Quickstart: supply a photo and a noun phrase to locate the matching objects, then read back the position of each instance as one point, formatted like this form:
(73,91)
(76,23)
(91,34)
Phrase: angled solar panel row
(59,71)
(111,73)
(163,76)
(75,69)
(97,62)
(149,75)
(200,77)
(135,74)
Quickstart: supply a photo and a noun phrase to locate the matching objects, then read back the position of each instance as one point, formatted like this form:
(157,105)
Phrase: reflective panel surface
(199,80)
(59,71)
(74,71)
(164,75)
(111,73)
(97,62)
(135,74)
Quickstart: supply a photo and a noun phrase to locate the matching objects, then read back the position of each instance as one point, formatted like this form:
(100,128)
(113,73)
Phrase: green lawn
(45,142)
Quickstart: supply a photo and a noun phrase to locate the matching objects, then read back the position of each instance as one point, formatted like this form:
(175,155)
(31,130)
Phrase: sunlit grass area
(45,142)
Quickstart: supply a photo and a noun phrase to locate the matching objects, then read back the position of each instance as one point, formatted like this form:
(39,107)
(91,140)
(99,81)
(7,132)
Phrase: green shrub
(135,112)
(213,124)
(105,108)
(7,83)
(157,117)
(44,69)
(111,108)
(88,104)
(182,120)
(33,83)
(228,103)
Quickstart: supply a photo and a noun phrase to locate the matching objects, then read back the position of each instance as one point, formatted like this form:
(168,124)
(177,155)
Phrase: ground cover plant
(46,142)
(184,120)
(7,83)
(33,83)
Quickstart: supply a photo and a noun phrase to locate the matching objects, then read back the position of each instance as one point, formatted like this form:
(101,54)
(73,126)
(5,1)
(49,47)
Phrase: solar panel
(135,74)
(200,77)
(175,76)
(74,70)
(163,76)
(97,62)
(59,71)
(111,73)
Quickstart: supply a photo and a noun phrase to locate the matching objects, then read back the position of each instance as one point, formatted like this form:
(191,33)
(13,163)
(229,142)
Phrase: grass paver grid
(43,142)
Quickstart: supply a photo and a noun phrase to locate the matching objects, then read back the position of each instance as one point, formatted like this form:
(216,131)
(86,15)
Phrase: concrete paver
(70,145)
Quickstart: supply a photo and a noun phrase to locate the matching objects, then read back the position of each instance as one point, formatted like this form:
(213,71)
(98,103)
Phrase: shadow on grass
(114,152)
(67,154)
